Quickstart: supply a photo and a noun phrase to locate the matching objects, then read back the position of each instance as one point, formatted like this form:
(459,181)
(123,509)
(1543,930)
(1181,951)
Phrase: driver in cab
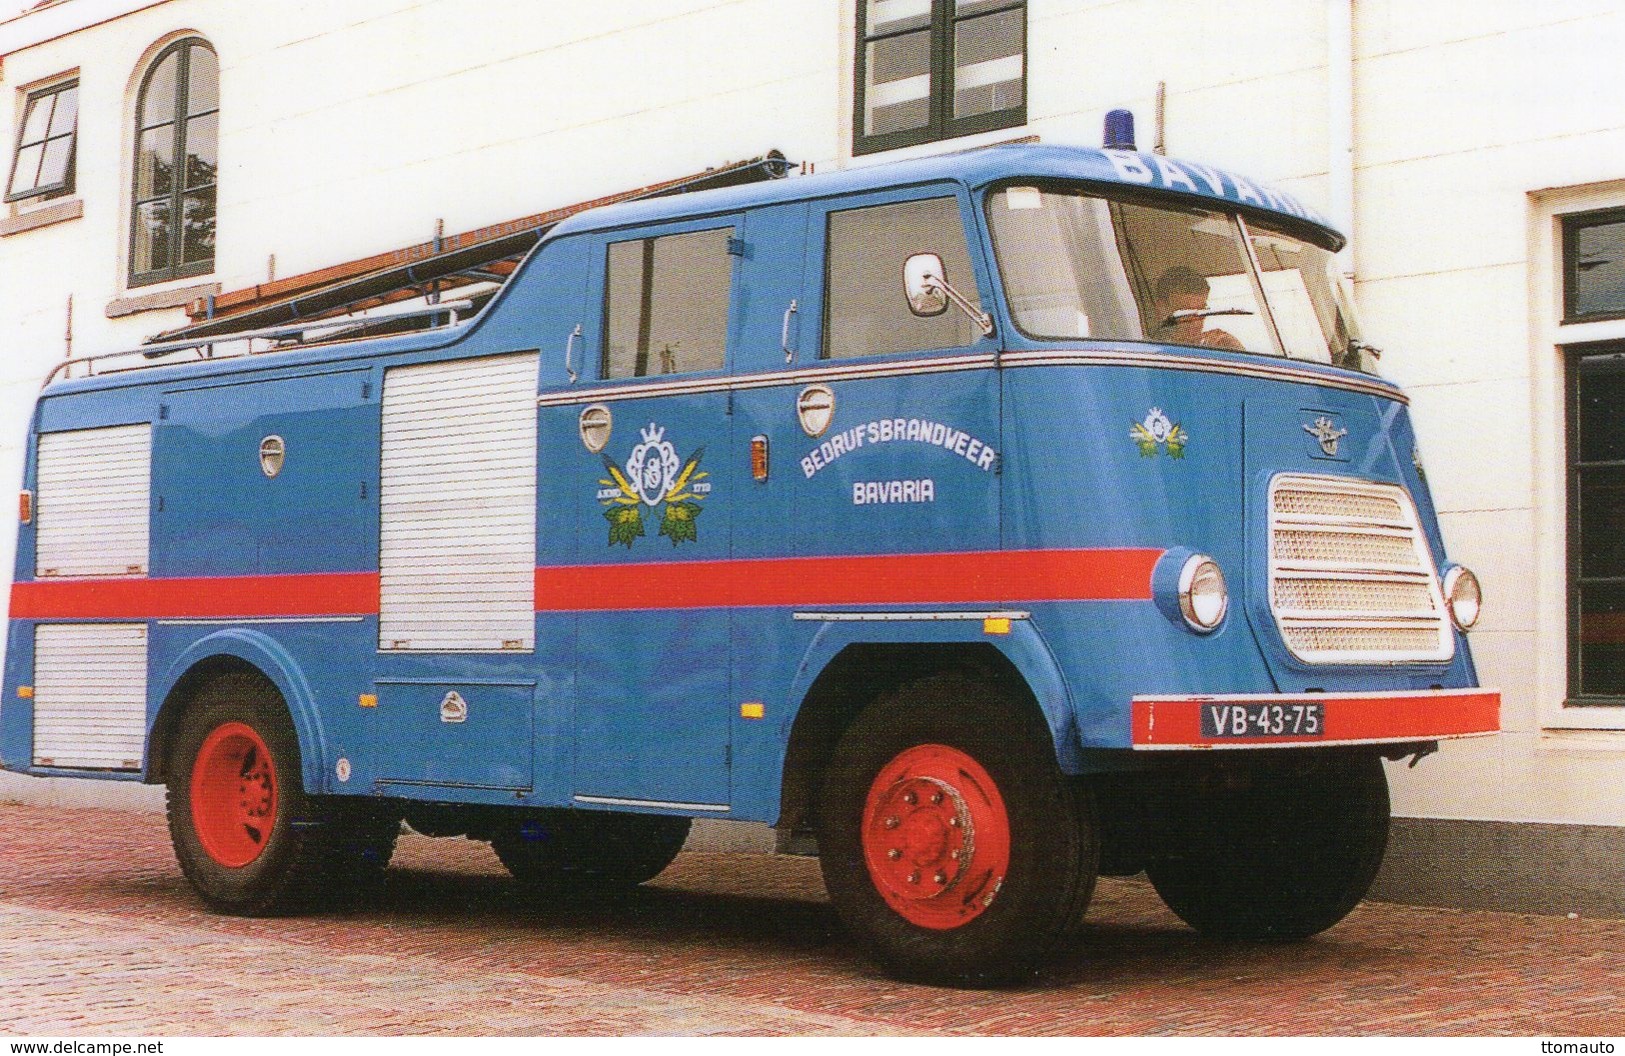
(1181,307)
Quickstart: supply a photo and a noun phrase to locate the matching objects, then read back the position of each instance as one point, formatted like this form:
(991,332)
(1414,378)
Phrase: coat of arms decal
(1159,433)
(655,477)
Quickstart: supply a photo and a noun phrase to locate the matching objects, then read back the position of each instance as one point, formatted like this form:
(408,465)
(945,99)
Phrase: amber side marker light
(25,506)
(25,692)
(758,457)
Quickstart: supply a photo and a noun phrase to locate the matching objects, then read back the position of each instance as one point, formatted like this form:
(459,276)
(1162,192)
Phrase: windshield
(1076,265)
(1306,298)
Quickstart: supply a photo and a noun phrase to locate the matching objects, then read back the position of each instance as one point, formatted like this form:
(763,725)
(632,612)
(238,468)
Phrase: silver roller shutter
(457,547)
(90,695)
(93,498)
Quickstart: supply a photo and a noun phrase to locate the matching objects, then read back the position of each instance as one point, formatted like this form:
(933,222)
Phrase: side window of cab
(667,302)
(865,310)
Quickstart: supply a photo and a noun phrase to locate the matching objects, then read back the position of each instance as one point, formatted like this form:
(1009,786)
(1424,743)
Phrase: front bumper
(1178,722)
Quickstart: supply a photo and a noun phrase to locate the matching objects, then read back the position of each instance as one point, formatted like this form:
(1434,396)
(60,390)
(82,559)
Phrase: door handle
(784,334)
(569,351)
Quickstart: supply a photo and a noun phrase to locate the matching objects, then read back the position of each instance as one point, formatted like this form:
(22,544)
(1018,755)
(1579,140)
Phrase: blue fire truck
(990,521)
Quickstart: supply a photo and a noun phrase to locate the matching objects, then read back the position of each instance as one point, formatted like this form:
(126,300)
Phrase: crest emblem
(655,477)
(1157,433)
(652,466)
(1327,433)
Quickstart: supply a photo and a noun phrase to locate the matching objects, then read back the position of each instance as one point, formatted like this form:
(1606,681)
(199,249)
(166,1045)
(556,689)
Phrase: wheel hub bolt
(910,798)
(893,822)
(913,878)
(954,821)
(954,854)
(894,854)
(936,797)
(939,878)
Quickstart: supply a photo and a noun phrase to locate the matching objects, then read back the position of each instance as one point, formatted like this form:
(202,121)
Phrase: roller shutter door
(93,491)
(457,549)
(90,695)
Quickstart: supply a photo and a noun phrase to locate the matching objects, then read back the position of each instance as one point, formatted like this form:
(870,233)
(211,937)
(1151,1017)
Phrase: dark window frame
(1572,470)
(733,224)
(1571,224)
(176,269)
(941,124)
(64,186)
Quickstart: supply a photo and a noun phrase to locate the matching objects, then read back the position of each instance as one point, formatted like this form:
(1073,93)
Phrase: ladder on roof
(319,307)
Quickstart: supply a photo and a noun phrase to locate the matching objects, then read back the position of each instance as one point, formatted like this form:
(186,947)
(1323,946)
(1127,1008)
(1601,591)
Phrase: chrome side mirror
(925,285)
(929,292)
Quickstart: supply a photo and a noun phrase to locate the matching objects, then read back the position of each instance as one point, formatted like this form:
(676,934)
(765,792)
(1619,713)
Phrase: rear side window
(865,312)
(666,304)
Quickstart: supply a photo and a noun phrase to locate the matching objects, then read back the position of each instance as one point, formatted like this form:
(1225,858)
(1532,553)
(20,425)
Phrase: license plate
(1297,719)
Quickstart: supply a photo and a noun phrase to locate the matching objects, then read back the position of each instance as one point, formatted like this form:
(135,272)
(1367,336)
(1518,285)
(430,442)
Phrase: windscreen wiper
(1201,313)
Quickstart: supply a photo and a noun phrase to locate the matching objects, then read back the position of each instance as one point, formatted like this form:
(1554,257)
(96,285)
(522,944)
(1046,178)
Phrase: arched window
(177,116)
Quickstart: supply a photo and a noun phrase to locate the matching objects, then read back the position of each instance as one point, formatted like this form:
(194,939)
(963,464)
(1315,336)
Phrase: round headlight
(1462,596)
(1203,597)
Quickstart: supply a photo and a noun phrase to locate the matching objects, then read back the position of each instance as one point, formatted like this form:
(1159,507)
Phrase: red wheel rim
(936,836)
(234,794)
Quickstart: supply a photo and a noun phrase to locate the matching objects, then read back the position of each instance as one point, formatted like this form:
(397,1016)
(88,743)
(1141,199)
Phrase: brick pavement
(99,934)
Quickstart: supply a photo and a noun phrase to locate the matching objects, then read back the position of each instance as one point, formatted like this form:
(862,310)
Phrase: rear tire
(246,835)
(950,842)
(582,847)
(1280,852)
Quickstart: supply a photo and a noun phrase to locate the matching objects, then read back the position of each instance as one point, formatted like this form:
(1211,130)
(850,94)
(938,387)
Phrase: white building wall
(409,112)
(1462,121)
(349,129)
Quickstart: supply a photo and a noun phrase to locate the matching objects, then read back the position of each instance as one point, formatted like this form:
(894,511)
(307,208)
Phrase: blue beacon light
(1119,130)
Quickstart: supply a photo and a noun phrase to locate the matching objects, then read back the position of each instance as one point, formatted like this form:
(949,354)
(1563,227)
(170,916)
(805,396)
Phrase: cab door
(653,700)
(908,460)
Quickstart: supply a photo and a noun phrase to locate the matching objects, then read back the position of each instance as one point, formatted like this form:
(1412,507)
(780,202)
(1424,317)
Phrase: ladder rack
(327,331)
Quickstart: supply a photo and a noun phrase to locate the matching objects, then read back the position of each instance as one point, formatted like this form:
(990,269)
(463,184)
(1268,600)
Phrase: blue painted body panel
(206,432)
(643,703)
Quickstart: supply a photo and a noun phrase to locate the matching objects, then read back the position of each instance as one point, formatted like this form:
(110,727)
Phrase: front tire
(246,835)
(1276,853)
(950,842)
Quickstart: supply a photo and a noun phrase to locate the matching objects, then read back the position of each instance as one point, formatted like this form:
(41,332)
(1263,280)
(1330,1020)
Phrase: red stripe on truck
(213,597)
(980,577)
(965,578)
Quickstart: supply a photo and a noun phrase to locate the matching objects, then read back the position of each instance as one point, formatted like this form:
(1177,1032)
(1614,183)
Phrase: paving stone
(100,934)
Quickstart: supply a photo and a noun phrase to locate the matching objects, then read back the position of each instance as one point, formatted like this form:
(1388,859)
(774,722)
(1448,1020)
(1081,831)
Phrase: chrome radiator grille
(1351,578)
